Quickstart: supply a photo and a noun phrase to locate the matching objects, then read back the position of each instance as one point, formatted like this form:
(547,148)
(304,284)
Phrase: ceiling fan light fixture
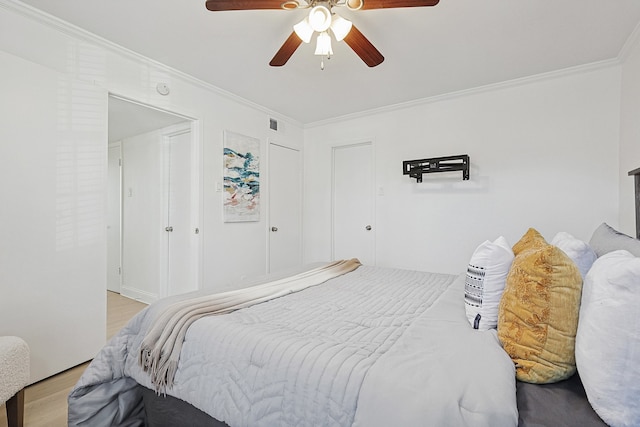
(340,27)
(323,44)
(304,30)
(320,18)
(354,4)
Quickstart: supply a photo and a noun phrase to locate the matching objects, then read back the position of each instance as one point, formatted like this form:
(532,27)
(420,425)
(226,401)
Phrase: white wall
(229,250)
(544,154)
(629,135)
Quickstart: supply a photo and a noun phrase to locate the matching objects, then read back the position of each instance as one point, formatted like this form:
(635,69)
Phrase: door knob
(274,229)
(169,229)
(368,228)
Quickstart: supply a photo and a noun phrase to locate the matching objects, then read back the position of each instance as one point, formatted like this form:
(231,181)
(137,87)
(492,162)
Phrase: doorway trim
(196,162)
(117,144)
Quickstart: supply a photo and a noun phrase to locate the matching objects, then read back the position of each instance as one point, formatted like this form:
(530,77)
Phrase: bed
(365,348)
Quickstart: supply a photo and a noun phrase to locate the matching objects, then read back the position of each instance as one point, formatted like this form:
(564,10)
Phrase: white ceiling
(127,119)
(429,51)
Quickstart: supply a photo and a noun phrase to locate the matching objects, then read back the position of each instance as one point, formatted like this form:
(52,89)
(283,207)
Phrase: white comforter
(375,347)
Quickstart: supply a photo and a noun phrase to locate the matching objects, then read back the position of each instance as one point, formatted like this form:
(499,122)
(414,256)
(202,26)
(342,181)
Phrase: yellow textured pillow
(531,239)
(538,313)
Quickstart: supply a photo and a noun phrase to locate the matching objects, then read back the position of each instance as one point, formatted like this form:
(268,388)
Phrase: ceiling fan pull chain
(322,61)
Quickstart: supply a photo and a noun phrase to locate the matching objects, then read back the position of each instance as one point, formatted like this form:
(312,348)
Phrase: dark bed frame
(636,174)
(561,404)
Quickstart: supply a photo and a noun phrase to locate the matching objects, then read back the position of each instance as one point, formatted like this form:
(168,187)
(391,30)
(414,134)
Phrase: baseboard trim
(137,294)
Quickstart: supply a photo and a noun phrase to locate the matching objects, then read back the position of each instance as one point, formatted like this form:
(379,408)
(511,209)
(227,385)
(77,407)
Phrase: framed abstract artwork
(241,175)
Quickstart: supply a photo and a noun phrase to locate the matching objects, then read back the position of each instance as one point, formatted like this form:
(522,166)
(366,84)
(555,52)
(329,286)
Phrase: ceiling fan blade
(286,50)
(387,4)
(220,5)
(363,47)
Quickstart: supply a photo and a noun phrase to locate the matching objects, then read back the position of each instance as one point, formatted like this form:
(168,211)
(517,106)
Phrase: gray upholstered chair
(14,376)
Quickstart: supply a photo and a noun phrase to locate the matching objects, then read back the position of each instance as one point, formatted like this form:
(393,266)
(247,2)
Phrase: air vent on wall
(273,124)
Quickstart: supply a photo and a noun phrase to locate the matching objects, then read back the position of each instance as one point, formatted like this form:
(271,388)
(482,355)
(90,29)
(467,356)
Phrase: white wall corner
(632,41)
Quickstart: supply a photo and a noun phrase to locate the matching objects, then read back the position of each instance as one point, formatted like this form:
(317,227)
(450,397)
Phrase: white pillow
(608,338)
(486,276)
(580,252)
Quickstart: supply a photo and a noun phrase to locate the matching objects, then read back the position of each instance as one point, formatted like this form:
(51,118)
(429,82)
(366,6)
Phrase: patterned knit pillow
(486,277)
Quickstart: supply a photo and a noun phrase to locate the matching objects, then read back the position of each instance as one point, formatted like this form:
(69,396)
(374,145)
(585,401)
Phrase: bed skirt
(560,404)
(169,411)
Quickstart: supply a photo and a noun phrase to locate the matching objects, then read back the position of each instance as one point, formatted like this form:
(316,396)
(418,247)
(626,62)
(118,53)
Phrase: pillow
(608,338)
(579,252)
(606,239)
(531,239)
(538,312)
(486,276)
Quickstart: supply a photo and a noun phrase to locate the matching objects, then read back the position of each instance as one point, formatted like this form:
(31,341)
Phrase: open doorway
(153,202)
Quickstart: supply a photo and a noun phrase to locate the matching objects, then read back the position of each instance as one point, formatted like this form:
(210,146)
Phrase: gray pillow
(606,239)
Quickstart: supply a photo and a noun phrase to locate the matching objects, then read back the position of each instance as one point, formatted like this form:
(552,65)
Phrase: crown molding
(472,91)
(76,32)
(69,29)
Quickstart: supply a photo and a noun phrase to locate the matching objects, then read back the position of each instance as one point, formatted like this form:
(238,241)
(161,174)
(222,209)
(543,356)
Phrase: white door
(53,194)
(114,209)
(284,207)
(180,233)
(160,214)
(353,203)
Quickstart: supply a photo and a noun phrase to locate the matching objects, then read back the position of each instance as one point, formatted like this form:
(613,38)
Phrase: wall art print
(241,174)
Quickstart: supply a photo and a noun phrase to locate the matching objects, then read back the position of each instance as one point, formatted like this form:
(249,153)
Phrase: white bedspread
(375,347)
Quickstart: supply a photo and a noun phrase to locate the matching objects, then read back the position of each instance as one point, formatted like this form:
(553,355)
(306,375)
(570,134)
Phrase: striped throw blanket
(160,349)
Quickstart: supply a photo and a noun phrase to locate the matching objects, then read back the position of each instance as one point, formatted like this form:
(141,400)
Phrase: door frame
(196,128)
(110,145)
(346,144)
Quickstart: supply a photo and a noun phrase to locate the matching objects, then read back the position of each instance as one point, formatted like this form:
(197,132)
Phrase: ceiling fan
(321,19)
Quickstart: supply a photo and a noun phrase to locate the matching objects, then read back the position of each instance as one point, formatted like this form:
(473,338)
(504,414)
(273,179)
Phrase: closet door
(284,207)
(53,133)
(353,203)
(143,265)
(180,232)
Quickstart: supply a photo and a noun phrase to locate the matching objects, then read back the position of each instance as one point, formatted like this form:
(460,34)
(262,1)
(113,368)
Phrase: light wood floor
(46,401)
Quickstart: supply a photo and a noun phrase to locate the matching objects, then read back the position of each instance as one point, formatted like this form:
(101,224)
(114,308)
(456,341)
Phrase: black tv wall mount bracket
(415,168)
